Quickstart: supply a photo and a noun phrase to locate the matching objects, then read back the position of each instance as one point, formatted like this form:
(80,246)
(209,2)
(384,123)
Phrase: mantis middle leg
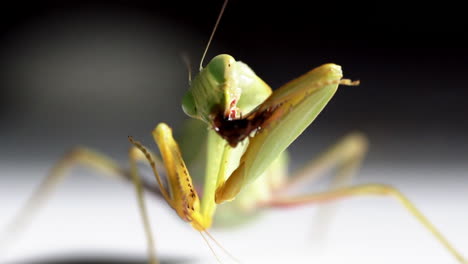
(77,156)
(345,157)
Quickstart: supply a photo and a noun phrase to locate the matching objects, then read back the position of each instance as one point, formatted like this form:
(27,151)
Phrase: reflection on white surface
(96,216)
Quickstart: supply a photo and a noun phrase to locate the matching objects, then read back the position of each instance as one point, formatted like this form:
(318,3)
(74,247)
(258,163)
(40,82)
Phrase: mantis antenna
(188,65)
(213,32)
(211,248)
(220,246)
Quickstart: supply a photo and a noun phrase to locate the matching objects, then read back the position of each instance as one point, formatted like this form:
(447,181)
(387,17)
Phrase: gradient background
(93,72)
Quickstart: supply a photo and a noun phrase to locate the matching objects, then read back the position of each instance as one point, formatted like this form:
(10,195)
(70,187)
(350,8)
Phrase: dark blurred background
(93,72)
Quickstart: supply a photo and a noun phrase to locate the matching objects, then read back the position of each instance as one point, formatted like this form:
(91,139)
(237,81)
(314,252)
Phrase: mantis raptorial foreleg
(77,156)
(180,193)
(367,190)
(276,123)
(279,120)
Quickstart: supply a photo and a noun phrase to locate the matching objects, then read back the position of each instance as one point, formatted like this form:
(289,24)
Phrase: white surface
(98,216)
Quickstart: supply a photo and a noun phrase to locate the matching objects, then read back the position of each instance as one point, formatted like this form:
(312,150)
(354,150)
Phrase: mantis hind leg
(346,156)
(77,156)
(367,190)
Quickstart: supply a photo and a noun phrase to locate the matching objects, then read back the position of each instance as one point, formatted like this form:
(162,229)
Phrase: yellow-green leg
(367,189)
(344,158)
(77,156)
(135,155)
(179,193)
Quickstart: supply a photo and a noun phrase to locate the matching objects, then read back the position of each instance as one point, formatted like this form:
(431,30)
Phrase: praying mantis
(247,128)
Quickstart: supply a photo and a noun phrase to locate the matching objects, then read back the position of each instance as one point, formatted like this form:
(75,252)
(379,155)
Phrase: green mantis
(216,97)
(247,128)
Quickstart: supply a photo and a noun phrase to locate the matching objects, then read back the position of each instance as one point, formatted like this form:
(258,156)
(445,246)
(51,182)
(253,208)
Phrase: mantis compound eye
(188,105)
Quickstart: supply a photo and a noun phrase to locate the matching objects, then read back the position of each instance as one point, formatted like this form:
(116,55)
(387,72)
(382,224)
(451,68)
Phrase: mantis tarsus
(249,128)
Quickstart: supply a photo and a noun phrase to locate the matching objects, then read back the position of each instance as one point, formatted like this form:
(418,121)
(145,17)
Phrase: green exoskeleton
(250,127)
(245,128)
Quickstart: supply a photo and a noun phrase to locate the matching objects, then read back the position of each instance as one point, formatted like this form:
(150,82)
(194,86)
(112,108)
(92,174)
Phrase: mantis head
(225,87)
